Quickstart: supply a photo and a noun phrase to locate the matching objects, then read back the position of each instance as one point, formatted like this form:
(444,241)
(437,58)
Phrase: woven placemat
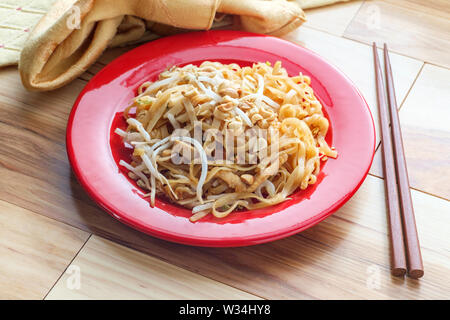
(17,19)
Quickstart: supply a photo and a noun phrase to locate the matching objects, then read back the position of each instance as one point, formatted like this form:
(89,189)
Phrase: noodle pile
(217,138)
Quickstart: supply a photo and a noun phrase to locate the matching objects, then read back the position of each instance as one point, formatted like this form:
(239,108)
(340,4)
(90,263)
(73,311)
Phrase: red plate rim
(90,155)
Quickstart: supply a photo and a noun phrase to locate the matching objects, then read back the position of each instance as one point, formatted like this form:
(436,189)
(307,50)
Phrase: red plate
(94,150)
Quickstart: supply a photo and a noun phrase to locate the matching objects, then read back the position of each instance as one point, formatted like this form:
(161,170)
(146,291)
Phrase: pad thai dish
(218,138)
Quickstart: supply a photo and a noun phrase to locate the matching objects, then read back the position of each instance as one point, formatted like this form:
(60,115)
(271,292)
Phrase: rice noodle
(204,161)
(270,188)
(120,132)
(173,121)
(158,84)
(234,102)
(139,128)
(244,117)
(202,207)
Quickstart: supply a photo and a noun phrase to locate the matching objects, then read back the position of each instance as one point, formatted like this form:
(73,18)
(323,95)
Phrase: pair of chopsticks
(405,248)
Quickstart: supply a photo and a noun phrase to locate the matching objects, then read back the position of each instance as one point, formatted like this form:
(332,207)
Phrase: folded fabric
(308,4)
(74,33)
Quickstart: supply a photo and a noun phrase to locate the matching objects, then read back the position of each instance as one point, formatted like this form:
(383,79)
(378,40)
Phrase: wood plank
(34,252)
(426,133)
(43,113)
(356,61)
(109,55)
(330,260)
(112,53)
(420,29)
(424,118)
(111,271)
(334,18)
(377,165)
(341,248)
(33,157)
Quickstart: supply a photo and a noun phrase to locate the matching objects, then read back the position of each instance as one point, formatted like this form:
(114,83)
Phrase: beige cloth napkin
(74,33)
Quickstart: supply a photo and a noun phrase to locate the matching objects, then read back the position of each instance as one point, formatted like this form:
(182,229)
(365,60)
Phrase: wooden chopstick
(398,260)
(414,257)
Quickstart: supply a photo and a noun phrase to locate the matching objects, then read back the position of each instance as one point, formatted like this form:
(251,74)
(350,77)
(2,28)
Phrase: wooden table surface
(52,234)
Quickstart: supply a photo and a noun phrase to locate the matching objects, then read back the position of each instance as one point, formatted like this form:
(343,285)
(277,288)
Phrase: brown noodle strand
(261,170)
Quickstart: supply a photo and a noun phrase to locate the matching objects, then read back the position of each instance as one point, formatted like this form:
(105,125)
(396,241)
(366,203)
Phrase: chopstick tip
(398,272)
(416,273)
